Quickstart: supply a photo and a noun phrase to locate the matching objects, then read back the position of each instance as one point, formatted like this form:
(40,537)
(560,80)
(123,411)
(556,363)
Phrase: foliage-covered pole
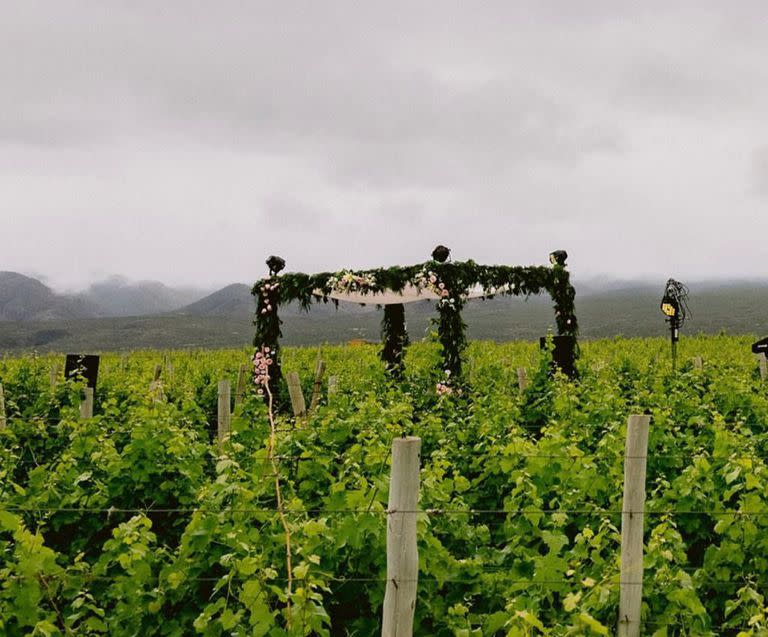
(563,294)
(267,339)
(2,408)
(394,339)
(445,279)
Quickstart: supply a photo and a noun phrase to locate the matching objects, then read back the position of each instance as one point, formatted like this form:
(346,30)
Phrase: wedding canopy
(448,283)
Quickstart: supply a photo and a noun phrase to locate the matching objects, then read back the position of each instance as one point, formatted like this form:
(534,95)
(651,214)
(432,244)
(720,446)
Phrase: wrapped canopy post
(394,339)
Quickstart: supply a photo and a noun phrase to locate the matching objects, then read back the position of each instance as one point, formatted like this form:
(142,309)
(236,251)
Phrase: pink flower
(433,279)
(445,293)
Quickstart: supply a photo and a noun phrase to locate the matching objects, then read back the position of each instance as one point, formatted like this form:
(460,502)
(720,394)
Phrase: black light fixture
(275,264)
(558,257)
(760,347)
(441,254)
(674,306)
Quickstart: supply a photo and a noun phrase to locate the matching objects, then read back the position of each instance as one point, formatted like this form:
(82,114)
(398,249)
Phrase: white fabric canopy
(409,294)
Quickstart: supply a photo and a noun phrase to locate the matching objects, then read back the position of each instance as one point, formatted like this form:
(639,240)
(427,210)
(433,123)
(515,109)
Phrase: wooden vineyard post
(224,414)
(54,375)
(333,385)
(86,404)
(402,552)
(297,397)
(317,385)
(762,362)
(242,375)
(156,386)
(632,518)
(3,421)
(522,378)
(698,363)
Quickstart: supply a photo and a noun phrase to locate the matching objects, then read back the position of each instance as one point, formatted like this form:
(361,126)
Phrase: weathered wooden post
(522,378)
(224,414)
(54,375)
(297,397)
(156,386)
(86,404)
(318,385)
(3,421)
(763,365)
(632,518)
(242,375)
(698,363)
(402,552)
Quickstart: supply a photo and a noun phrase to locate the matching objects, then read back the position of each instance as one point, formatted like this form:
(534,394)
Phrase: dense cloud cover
(186,141)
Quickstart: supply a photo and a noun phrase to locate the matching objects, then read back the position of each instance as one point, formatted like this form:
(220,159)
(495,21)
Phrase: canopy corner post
(394,337)
(268,333)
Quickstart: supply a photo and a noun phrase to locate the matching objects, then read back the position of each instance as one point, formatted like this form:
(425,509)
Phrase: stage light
(674,305)
(275,264)
(441,254)
(558,257)
(669,306)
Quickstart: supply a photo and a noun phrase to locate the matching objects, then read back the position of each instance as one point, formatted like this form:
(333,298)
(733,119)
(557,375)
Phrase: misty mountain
(33,316)
(23,298)
(117,296)
(234,301)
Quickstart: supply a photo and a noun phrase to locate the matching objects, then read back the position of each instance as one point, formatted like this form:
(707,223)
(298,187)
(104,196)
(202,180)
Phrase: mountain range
(24,298)
(117,314)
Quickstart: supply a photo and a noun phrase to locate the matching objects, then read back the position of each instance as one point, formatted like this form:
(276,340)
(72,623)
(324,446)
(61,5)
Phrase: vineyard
(137,521)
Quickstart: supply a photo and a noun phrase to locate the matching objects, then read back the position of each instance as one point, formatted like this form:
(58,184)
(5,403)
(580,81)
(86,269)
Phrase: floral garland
(450,281)
(266,359)
(429,280)
(263,359)
(348,281)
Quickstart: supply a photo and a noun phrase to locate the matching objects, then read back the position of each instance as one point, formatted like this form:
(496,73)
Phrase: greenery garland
(451,281)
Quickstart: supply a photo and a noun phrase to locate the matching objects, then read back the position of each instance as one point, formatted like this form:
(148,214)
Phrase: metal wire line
(497,576)
(426,511)
(55,423)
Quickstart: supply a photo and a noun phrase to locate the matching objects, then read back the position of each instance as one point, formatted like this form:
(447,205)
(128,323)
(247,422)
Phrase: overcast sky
(186,141)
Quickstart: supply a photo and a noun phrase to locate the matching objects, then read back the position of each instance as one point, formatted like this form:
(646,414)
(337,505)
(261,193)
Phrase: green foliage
(133,522)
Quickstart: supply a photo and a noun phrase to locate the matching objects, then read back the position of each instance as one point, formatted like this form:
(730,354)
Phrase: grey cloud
(760,171)
(285,212)
(362,133)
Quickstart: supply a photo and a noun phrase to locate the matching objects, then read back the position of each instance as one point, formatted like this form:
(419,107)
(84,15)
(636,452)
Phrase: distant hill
(117,296)
(23,298)
(225,318)
(234,301)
